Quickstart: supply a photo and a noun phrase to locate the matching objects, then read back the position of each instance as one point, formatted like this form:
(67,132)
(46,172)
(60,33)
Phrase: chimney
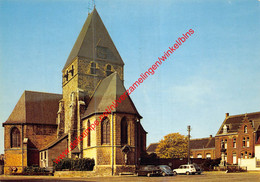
(227,114)
(210,136)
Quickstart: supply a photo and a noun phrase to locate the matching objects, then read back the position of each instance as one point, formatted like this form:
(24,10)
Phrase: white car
(187,169)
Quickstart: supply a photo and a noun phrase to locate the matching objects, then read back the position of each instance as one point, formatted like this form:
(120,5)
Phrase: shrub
(84,164)
(209,164)
(31,170)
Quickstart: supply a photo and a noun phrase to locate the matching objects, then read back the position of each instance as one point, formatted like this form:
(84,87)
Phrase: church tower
(92,58)
(93,78)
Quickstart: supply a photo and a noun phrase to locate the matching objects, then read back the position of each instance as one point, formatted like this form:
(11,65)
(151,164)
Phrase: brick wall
(230,150)
(38,137)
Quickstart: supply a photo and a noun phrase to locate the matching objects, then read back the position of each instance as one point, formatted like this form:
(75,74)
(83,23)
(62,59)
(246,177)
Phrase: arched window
(89,134)
(208,156)
(124,133)
(93,68)
(245,129)
(247,141)
(105,131)
(234,142)
(15,137)
(244,142)
(241,155)
(199,155)
(108,70)
(225,143)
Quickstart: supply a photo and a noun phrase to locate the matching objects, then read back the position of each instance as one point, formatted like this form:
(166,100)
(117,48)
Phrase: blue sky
(215,71)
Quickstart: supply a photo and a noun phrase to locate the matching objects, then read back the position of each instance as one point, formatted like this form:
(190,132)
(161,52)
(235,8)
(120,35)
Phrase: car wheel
(199,173)
(164,174)
(148,174)
(174,173)
(188,173)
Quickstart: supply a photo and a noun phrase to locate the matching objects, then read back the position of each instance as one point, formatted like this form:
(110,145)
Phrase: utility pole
(188,144)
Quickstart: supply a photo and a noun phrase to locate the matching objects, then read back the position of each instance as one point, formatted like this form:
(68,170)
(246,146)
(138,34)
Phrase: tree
(173,145)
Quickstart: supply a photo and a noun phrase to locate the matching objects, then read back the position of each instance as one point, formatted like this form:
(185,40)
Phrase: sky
(216,71)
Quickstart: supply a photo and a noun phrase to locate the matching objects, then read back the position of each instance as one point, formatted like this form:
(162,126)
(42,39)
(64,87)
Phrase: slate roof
(235,121)
(151,148)
(109,90)
(54,142)
(35,108)
(200,143)
(94,33)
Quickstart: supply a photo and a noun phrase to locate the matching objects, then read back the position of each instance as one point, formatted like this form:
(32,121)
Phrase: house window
(246,155)
(247,141)
(244,142)
(41,155)
(234,142)
(225,143)
(250,155)
(208,156)
(199,155)
(124,132)
(234,158)
(105,131)
(245,129)
(222,144)
(241,155)
(93,68)
(89,134)
(109,70)
(15,137)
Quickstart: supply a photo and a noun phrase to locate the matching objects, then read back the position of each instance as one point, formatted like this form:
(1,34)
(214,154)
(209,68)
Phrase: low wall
(98,171)
(74,174)
(250,164)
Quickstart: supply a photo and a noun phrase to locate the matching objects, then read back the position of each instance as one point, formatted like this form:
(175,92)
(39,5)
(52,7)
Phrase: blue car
(165,170)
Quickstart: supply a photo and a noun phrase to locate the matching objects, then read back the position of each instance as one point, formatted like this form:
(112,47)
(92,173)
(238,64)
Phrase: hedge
(85,164)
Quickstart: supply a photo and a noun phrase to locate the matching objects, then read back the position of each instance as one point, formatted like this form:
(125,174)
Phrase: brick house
(199,148)
(203,148)
(43,125)
(238,135)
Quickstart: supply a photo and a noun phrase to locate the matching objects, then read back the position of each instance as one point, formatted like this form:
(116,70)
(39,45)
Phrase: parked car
(149,170)
(187,169)
(165,170)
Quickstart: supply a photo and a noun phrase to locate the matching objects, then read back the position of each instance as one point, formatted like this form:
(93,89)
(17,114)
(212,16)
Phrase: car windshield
(167,167)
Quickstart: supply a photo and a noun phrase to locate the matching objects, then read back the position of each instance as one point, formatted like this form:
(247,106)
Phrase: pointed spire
(94,42)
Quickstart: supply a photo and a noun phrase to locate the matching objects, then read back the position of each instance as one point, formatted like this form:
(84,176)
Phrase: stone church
(42,125)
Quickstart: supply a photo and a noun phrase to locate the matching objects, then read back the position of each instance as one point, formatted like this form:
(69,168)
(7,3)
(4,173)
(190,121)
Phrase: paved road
(205,177)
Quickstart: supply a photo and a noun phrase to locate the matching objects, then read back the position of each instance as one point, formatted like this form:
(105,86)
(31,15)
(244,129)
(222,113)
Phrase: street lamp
(188,144)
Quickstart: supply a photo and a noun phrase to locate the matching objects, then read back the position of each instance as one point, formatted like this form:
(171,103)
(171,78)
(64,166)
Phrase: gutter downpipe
(22,147)
(112,143)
